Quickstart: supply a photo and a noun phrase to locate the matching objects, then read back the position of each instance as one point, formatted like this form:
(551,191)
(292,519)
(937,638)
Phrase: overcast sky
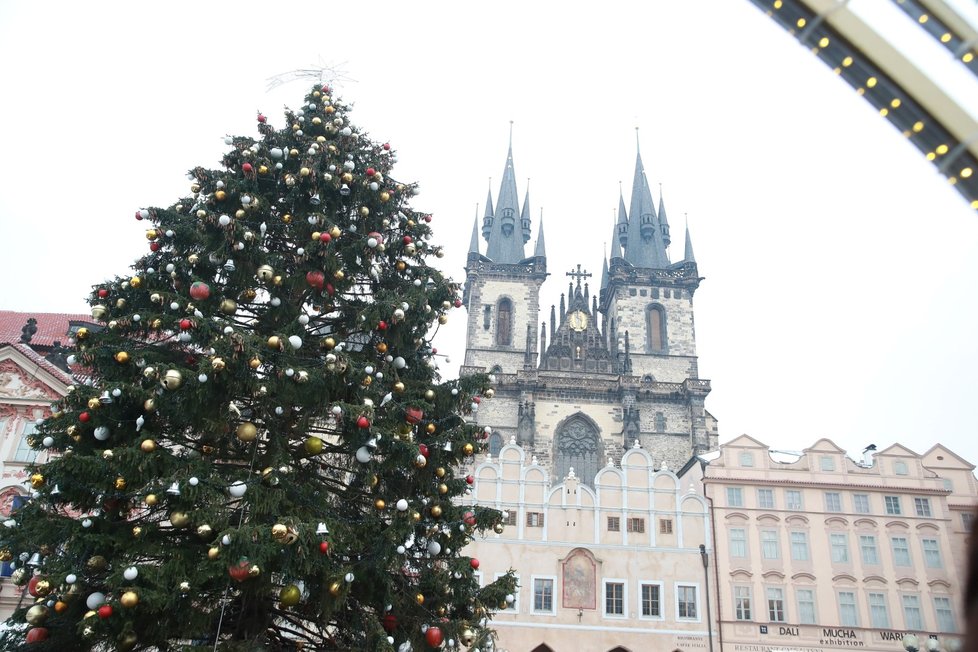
(841,270)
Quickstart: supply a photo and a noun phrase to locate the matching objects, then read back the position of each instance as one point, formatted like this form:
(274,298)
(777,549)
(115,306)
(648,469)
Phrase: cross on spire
(579,275)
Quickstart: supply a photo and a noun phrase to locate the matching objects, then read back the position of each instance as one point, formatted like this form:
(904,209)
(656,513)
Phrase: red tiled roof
(39,360)
(51,326)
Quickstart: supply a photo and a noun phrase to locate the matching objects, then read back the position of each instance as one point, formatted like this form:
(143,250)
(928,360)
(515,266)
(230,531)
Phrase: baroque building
(596,403)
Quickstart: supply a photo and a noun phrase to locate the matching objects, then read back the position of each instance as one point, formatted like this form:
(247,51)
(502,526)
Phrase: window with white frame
(799,546)
(922,507)
(543,595)
(848,613)
(879,616)
(746,458)
(735,497)
(912,618)
(839,547)
(868,550)
(636,525)
(738,542)
(833,501)
(792,500)
(901,551)
(24,452)
(932,553)
(687,607)
(534,519)
(614,524)
(515,606)
(765,498)
(827,463)
(860,503)
(769,544)
(614,598)
(944,613)
(806,606)
(650,597)
(665,526)
(900,467)
(892,504)
(775,604)
(742,603)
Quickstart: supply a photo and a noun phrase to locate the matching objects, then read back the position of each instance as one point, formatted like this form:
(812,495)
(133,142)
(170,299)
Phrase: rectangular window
(686,602)
(833,501)
(848,614)
(614,524)
(746,459)
(765,498)
(636,525)
(913,619)
(534,519)
(868,550)
(742,603)
(543,595)
(839,546)
(878,615)
(665,526)
(900,467)
(651,600)
(945,614)
(901,551)
(892,505)
(792,500)
(775,605)
(735,497)
(769,544)
(799,546)
(827,463)
(967,520)
(614,599)
(510,517)
(922,506)
(806,606)
(738,542)
(860,503)
(932,553)
(24,452)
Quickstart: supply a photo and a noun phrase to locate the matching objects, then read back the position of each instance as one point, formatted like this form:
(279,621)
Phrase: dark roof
(51,326)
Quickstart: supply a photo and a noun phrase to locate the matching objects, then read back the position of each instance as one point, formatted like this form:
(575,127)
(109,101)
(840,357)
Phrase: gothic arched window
(495,444)
(655,327)
(504,322)
(577,445)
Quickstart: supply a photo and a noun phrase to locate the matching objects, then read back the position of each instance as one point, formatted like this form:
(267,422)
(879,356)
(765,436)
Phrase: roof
(40,361)
(51,326)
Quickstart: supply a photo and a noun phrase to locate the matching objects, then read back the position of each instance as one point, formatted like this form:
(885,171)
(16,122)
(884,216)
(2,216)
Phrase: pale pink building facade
(818,552)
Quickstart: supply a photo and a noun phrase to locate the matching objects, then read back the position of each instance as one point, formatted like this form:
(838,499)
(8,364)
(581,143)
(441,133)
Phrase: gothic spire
(663,222)
(487,219)
(525,215)
(540,250)
(474,242)
(619,238)
(505,240)
(604,271)
(688,255)
(645,247)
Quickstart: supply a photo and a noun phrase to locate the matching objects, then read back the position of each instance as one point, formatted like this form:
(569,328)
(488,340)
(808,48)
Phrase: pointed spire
(621,227)
(663,222)
(505,241)
(474,242)
(604,271)
(688,255)
(487,219)
(525,215)
(553,320)
(540,251)
(644,247)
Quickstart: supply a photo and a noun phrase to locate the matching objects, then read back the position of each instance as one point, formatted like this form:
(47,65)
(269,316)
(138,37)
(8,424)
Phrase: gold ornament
(468,449)
(364,211)
(335,589)
(254,570)
(442,319)
(443,488)
(218,364)
(99,311)
(120,483)
(37,480)
(129,599)
(304,172)
(279,531)
(172,379)
(184,587)
(430,428)
(82,333)
(419,598)
(274,342)
(248,295)
(347,177)
(239,213)
(60,606)
(429,395)
(213,552)
(149,405)
(179,519)
(122,357)
(489,393)
(149,372)
(135,282)
(290,595)
(137,532)
(385,196)
(229,306)
(220,195)
(399,387)
(265,273)
(94,403)
(107,454)
(381,347)
(36,615)
(302,376)
(96,564)
(329,343)
(498,528)
(42,588)
(6,555)
(205,532)
(147,446)
(120,303)
(255,362)
(287,218)
(247,431)
(156,297)
(335,232)
(436,511)
(156,324)
(415,516)
(440,472)
(339,275)
(151,500)
(380,504)
(313,445)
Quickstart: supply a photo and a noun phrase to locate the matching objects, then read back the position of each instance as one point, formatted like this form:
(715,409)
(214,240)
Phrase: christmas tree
(262,455)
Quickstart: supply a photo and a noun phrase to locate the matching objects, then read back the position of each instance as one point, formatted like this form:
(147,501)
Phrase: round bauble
(313,445)
(147,446)
(237,489)
(179,519)
(247,431)
(239,571)
(436,511)
(129,599)
(130,573)
(36,634)
(467,637)
(95,600)
(434,636)
(199,291)
(290,595)
(96,564)
(265,273)
(37,614)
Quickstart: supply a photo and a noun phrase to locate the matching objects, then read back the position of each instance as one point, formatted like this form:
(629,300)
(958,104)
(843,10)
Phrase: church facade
(597,402)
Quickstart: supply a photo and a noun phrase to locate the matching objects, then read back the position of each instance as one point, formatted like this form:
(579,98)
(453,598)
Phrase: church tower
(502,286)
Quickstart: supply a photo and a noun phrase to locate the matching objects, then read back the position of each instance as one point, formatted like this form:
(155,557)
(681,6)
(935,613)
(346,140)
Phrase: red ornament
(469,519)
(247,168)
(371,172)
(186,324)
(470,479)
(102,293)
(105,611)
(139,215)
(239,571)
(389,623)
(324,547)
(382,325)
(387,147)
(427,218)
(84,417)
(376,236)
(325,237)
(316,278)
(32,585)
(434,350)
(37,634)
(261,118)
(474,563)
(458,303)
(423,449)
(199,291)
(476,400)
(434,636)
(407,239)
(413,415)
(363,422)
(325,88)
(154,246)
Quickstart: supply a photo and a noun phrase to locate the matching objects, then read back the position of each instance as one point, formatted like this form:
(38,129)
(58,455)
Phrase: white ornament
(349,577)
(72,360)
(202,378)
(401,550)
(131,573)
(87,523)
(193,482)
(402,505)
(276,302)
(237,489)
(48,441)
(101,433)
(295,341)
(246,199)
(303,319)
(290,372)
(71,578)
(434,547)
(228,330)
(95,600)
(363,455)
(117,392)
(276,152)
(226,540)
(224,220)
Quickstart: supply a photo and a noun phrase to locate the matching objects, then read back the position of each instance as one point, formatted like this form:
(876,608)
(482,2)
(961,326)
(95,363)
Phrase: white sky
(840,269)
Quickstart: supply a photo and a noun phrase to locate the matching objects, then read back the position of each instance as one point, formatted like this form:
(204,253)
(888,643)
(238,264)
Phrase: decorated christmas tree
(262,455)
